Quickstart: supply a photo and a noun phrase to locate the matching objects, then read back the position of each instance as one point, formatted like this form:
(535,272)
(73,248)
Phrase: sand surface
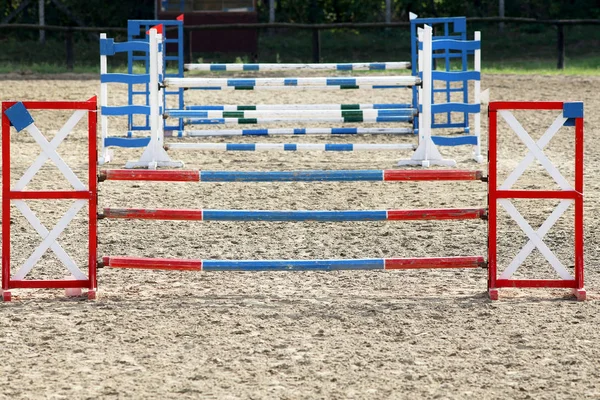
(339,335)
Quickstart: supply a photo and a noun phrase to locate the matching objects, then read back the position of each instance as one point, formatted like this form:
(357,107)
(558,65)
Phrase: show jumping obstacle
(446,46)
(155,156)
(17,115)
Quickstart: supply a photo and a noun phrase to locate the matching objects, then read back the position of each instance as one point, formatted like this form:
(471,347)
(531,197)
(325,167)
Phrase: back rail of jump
(448,44)
(17,115)
(364,66)
(155,155)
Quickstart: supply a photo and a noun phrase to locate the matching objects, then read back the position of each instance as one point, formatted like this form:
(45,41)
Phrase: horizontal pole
(291,176)
(365,66)
(148,175)
(299,119)
(289,131)
(293,265)
(294,215)
(347,147)
(287,113)
(319,88)
(261,107)
(406,80)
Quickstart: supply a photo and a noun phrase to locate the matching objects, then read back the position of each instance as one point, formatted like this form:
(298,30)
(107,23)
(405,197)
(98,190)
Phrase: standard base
(580,294)
(154,164)
(105,157)
(478,158)
(6,296)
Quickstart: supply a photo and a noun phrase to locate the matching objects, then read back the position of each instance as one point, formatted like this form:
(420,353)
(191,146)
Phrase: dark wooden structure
(202,12)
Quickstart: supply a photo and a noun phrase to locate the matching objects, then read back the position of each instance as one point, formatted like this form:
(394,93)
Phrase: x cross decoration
(18,116)
(572,115)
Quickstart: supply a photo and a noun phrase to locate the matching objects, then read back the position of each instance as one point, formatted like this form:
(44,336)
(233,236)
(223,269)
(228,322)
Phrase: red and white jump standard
(17,114)
(571,114)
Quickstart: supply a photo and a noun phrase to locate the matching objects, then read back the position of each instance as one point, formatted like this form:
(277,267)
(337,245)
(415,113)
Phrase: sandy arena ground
(339,335)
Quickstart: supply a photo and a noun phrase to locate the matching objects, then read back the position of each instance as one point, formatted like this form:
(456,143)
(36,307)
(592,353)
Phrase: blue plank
(241,82)
(344,67)
(450,44)
(125,110)
(255,132)
(377,66)
(454,141)
(456,76)
(344,131)
(339,147)
(126,142)
(292,176)
(341,82)
(131,79)
(241,147)
(292,265)
(294,216)
(455,107)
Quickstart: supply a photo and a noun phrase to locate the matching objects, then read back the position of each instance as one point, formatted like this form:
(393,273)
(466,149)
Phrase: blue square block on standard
(19,117)
(573,109)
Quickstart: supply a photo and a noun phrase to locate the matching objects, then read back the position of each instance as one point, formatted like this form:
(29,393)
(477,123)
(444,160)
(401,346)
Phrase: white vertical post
(42,20)
(426,154)
(271,11)
(105,154)
(477,117)
(388,11)
(501,14)
(155,155)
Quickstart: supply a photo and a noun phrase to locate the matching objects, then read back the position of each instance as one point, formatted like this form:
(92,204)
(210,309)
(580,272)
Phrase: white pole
(477,116)
(154,70)
(42,20)
(425,122)
(426,154)
(105,155)
(155,155)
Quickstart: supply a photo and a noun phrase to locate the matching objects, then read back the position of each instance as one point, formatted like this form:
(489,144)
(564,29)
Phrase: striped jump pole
(364,66)
(349,147)
(406,80)
(295,215)
(261,107)
(283,120)
(291,176)
(290,131)
(355,114)
(292,265)
(287,88)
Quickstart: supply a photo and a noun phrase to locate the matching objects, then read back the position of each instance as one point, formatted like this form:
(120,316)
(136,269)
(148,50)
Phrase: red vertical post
(492,202)
(579,203)
(93,202)
(5,197)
